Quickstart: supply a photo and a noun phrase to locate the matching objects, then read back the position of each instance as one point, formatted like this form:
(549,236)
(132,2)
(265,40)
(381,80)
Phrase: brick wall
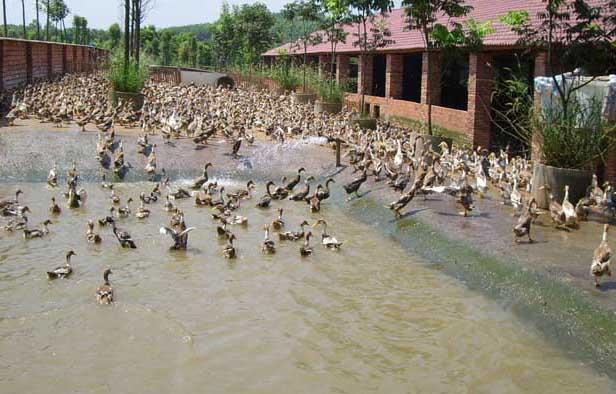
(451,119)
(23,61)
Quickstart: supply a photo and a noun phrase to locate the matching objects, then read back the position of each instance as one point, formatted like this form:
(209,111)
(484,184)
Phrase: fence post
(63,59)
(2,57)
(338,152)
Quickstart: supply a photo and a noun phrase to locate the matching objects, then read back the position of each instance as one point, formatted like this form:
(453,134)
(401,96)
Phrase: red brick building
(461,95)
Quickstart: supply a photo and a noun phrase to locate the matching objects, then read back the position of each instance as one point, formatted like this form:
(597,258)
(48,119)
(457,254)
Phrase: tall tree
(302,13)
(422,15)
(166,50)
(6,31)
(115,35)
(364,12)
(38,24)
(336,16)
(254,26)
(126,35)
(23,15)
(48,14)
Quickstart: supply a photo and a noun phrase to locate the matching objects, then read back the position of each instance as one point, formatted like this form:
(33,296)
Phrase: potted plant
(331,95)
(364,13)
(306,14)
(126,82)
(284,74)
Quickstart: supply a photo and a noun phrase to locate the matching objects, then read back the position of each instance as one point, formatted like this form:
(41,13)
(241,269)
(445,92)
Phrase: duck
(244,194)
(125,211)
(142,211)
(9,202)
(602,259)
(124,238)
(278,223)
(302,194)
(402,202)
(327,240)
(571,218)
(54,208)
(105,184)
(280,193)
(115,199)
(91,236)
(179,194)
(37,232)
(353,186)
(19,223)
(229,251)
(63,271)
(104,293)
(52,178)
(323,193)
(145,199)
(222,231)
(306,250)
(197,183)
(293,182)
(180,238)
(293,235)
(264,201)
(169,206)
(556,210)
(267,246)
(314,202)
(523,226)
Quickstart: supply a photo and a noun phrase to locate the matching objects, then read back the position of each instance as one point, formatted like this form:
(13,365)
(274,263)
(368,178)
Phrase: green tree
(422,15)
(115,35)
(336,16)
(303,13)
(166,49)
(362,13)
(224,37)
(254,23)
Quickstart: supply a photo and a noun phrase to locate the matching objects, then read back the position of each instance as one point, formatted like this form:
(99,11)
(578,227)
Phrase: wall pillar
(435,78)
(540,70)
(366,67)
(480,76)
(342,68)
(63,59)
(393,76)
(29,62)
(49,60)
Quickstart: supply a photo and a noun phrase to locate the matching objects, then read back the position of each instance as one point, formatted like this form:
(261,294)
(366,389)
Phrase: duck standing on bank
(602,258)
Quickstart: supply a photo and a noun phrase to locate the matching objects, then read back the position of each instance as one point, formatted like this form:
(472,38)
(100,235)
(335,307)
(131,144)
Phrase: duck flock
(400,157)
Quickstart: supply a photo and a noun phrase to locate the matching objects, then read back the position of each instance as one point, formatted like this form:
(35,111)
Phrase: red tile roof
(483,10)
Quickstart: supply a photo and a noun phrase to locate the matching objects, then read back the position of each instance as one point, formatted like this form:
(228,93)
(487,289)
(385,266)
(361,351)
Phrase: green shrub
(131,80)
(576,139)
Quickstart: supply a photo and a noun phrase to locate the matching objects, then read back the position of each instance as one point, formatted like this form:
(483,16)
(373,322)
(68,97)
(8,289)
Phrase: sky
(102,13)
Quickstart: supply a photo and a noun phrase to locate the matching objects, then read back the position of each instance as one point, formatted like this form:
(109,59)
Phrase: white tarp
(601,89)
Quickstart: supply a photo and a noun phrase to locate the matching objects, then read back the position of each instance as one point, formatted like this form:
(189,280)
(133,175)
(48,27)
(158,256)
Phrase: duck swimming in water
(63,271)
(327,240)
(293,235)
(37,232)
(293,182)
(229,251)
(180,238)
(124,238)
(264,202)
(197,183)
(306,250)
(54,208)
(52,178)
(278,223)
(353,186)
(104,293)
(91,236)
(267,246)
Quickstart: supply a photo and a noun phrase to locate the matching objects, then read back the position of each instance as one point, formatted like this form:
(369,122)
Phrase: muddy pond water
(369,318)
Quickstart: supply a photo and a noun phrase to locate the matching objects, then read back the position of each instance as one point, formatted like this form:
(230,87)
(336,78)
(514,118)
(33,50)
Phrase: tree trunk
(428,81)
(6,31)
(38,23)
(138,31)
(47,27)
(23,15)
(126,34)
(64,31)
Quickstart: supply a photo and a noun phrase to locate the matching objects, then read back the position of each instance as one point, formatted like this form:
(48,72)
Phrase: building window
(378,75)
(411,77)
(454,83)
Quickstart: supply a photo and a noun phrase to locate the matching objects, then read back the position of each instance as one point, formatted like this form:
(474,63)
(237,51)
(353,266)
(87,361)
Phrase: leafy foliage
(131,80)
